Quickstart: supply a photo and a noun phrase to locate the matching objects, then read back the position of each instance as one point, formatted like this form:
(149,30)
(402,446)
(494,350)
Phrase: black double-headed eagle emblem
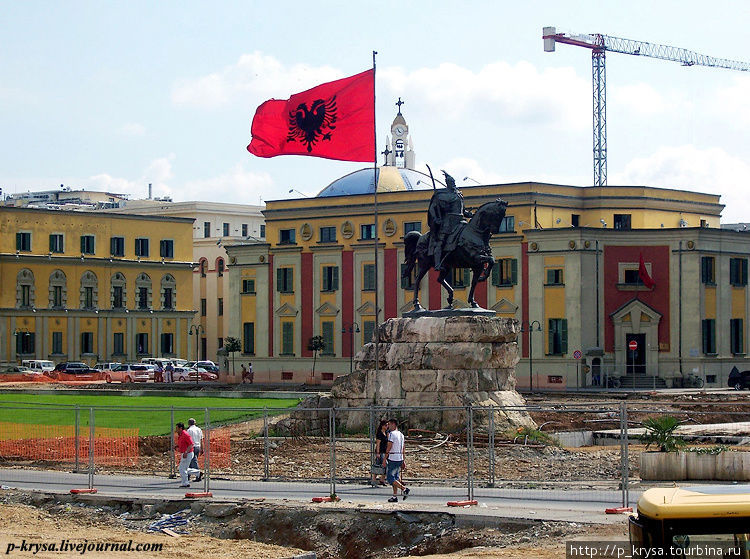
(309,126)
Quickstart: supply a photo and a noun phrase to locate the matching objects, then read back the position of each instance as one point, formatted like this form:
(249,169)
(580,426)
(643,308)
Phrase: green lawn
(150,414)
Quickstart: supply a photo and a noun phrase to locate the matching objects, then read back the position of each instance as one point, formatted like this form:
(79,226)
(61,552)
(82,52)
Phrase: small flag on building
(644,275)
(335,120)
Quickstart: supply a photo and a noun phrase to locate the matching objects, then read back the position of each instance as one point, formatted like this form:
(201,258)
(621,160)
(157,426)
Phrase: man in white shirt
(396,460)
(196,433)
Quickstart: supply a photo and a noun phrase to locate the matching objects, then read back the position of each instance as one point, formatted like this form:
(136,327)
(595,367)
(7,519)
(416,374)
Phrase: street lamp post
(530,329)
(353,327)
(196,329)
(19,332)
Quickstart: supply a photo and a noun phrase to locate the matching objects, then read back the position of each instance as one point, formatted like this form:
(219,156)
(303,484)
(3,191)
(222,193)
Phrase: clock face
(399,130)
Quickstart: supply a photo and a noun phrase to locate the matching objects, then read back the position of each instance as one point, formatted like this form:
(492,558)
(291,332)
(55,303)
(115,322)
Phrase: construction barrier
(57,443)
(220,449)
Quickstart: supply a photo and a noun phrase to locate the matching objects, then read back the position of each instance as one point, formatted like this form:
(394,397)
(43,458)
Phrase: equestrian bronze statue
(452,242)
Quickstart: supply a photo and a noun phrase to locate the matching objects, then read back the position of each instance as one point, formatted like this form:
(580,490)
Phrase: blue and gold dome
(390,179)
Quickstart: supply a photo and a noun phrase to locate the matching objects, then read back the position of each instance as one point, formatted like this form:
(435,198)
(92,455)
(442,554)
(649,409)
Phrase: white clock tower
(400,152)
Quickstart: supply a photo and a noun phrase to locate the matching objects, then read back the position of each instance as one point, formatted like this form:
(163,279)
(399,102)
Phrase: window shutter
(564,335)
(550,277)
(496,273)
(514,271)
(704,325)
(279,279)
(112,245)
(335,281)
(18,241)
(550,335)
(404,279)
(466,276)
(744,272)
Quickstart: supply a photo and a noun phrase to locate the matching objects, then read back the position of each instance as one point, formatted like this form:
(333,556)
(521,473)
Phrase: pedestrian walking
(381,443)
(196,433)
(185,448)
(395,453)
(169,371)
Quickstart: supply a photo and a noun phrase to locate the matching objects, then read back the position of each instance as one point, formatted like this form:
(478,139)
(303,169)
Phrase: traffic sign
(577,354)
(632,345)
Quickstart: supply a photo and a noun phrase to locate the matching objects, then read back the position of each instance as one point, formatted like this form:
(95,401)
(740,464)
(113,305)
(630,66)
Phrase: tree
(315,345)
(232,345)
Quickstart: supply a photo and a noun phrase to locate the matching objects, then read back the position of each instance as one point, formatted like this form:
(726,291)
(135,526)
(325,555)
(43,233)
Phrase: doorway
(636,359)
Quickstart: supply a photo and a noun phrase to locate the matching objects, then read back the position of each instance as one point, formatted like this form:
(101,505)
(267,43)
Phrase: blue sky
(114,95)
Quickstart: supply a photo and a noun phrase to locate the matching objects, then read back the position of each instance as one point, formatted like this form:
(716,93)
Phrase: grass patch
(150,414)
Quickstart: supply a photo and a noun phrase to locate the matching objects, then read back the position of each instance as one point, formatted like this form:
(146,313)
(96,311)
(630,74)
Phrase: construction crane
(599,45)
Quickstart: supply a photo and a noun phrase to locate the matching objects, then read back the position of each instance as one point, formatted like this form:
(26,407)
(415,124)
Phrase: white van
(38,365)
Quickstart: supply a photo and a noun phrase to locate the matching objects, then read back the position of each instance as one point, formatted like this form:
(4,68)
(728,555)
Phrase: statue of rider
(445,218)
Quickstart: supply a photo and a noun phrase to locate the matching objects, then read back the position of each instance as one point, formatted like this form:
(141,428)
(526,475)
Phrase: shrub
(660,433)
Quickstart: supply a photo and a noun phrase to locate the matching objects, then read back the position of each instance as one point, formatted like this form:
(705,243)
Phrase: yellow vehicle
(679,520)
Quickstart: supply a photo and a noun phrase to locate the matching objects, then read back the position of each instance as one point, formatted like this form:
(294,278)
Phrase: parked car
(80,370)
(131,372)
(18,370)
(209,366)
(107,365)
(739,379)
(38,365)
(182,374)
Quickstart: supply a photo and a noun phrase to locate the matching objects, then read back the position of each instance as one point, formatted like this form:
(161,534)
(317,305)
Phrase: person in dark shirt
(381,442)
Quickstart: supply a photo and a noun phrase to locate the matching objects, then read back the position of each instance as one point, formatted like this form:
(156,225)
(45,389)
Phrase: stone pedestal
(437,361)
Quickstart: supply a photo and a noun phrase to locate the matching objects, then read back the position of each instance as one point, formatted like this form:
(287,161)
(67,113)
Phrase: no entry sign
(632,345)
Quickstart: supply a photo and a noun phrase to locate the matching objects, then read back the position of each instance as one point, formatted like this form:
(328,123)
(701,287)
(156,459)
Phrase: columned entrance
(635,358)
(636,322)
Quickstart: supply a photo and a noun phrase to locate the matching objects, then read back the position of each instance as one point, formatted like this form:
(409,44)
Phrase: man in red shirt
(185,448)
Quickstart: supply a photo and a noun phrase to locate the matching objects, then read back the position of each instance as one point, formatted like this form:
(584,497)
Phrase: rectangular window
(141,343)
(117,246)
(25,295)
(507,225)
(408,281)
(244,229)
(262,231)
(167,343)
(505,272)
(736,336)
(368,277)
(248,338)
(632,277)
(203,307)
(286,237)
(168,302)
(206,229)
(57,293)
(220,267)
(460,278)
(118,344)
(738,271)
(88,244)
(327,234)
(87,342)
(225,229)
(558,336)
(56,243)
(117,297)
(368,327)
(330,278)
(285,280)
(554,276)
(220,306)
(25,343)
(143,298)
(248,286)
(166,248)
(708,326)
(23,242)
(622,221)
(708,267)
(220,341)
(327,333)
(367,232)
(575,220)
(287,338)
(141,247)
(88,297)
(410,226)
(57,343)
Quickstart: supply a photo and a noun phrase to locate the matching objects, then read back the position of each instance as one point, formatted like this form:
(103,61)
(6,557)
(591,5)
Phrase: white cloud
(711,170)
(639,98)
(237,185)
(132,129)
(734,102)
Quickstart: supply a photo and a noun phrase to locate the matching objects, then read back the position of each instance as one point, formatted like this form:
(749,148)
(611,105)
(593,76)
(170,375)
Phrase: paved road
(574,505)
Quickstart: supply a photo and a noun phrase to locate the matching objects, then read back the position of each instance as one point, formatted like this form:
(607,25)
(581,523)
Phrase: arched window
(168,292)
(25,290)
(58,290)
(220,267)
(119,295)
(143,292)
(89,290)
(202,266)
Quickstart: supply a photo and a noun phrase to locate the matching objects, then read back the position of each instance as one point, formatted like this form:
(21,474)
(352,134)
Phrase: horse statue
(472,250)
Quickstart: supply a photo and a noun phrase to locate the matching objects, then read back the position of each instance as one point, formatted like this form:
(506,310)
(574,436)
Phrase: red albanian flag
(643,274)
(335,120)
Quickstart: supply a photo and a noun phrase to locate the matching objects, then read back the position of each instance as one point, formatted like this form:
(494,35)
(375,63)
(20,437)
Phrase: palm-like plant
(660,433)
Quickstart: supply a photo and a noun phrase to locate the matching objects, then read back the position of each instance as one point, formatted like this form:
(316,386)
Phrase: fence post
(91,447)
(206,449)
(470,452)
(624,460)
(332,431)
(491,445)
(372,430)
(266,448)
(77,435)
(172,475)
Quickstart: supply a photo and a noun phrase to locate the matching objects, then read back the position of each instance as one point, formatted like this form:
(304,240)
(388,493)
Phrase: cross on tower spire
(399,103)
(386,152)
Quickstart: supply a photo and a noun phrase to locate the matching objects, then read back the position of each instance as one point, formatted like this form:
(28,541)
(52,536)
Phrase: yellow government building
(84,286)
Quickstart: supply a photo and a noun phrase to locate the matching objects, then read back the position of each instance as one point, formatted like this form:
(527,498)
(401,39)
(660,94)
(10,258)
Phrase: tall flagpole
(377,234)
